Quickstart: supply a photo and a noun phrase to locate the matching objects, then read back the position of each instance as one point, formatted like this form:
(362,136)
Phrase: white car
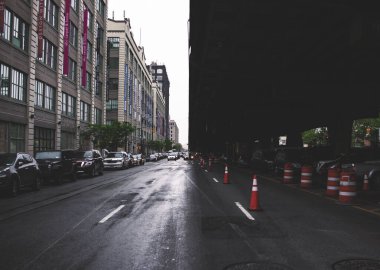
(120,160)
(172,156)
(153,157)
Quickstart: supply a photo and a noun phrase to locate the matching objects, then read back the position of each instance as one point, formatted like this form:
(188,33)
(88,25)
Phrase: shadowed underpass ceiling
(264,68)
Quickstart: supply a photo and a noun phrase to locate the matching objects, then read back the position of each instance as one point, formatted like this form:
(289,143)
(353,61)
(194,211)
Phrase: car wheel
(37,183)
(13,188)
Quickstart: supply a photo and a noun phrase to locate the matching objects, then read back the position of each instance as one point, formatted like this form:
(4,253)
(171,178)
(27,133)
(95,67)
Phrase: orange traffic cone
(365,182)
(225,178)
(254,205)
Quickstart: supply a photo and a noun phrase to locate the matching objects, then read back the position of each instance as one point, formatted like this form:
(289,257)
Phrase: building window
(99,60)
(99,36)
(111,104)
(67,140)
(15,30)
(114,42)
(49,54)
(4,80)
(159,70)
(113,84)
(89,21)
(16,138)
(88,81)
(114,62)
(45,96)
(100,7)
(73,35)
(98,116)
(18,88)
(72,75)
(74,5)
(68,105)
(44,139)
(51,13)
(84,111)
(159,78)
(98,88)
(89,51)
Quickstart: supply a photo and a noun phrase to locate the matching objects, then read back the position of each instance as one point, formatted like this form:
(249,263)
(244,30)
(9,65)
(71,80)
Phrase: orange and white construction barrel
(347,186)
(288,173)
(306,176)
(333,176)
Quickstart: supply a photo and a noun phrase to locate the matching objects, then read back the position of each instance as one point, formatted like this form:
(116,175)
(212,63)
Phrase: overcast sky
(160,26)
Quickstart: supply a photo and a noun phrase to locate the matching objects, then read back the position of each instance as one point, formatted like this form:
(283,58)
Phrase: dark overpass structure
(261,69)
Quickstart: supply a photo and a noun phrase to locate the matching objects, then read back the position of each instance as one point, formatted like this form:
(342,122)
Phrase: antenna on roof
(124,14)
(113,14)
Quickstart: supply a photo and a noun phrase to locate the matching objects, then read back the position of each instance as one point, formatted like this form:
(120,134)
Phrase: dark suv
(89,162)
(57,164)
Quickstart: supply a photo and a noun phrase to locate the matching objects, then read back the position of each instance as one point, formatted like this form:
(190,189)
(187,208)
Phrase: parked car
(120,160)
(262,160)
(18,170)
(138,159)
(57,164)
(153,157)
(89,162)
(172,156)
(295,155)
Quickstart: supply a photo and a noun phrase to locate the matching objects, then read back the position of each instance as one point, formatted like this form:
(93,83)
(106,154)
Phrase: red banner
(2,8)
(84,46)
(66,38)
(40,28)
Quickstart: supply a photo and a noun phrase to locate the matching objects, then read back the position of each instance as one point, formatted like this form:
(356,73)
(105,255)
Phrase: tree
(156,145)
(168,145)
(365,129)
(177,147)
(316,136)
(109,136)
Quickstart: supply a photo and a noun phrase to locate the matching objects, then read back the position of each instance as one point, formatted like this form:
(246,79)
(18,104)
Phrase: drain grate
(357,264)
(257,266)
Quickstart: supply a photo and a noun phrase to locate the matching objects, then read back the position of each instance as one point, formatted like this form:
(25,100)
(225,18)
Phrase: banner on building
(40,28)
(2,11)
(125,87)
(66,38)
(84,48)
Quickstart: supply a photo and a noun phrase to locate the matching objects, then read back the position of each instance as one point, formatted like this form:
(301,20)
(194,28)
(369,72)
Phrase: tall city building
(160,76)
(174,131)
(52,72)
(158,113)
(129,91)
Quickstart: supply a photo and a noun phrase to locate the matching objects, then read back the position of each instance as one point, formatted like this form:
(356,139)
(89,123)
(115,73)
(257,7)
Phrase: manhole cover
(257,266)
(357,264)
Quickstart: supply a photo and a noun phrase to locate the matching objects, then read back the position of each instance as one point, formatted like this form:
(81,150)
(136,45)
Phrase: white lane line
(111,214)
(205,170)
(249,216)
(215,180)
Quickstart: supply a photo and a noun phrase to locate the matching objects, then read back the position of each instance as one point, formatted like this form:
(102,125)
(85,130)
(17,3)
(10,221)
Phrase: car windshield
(48,155)
(136,156)
(115,155)
(84,154)
(7,159)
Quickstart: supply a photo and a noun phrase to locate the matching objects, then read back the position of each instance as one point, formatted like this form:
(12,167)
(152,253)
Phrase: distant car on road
(18,170)
(57,164)
(153,157)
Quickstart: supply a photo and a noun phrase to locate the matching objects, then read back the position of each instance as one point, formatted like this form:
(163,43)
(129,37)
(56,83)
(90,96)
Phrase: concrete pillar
(340,133)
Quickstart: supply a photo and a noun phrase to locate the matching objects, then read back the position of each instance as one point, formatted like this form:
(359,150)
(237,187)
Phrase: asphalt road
(176,215)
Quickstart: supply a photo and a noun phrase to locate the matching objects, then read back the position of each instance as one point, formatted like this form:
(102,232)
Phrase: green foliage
(177,147)
(365,129)
(317,136)
(109,136)
(168,145)
(156,145)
